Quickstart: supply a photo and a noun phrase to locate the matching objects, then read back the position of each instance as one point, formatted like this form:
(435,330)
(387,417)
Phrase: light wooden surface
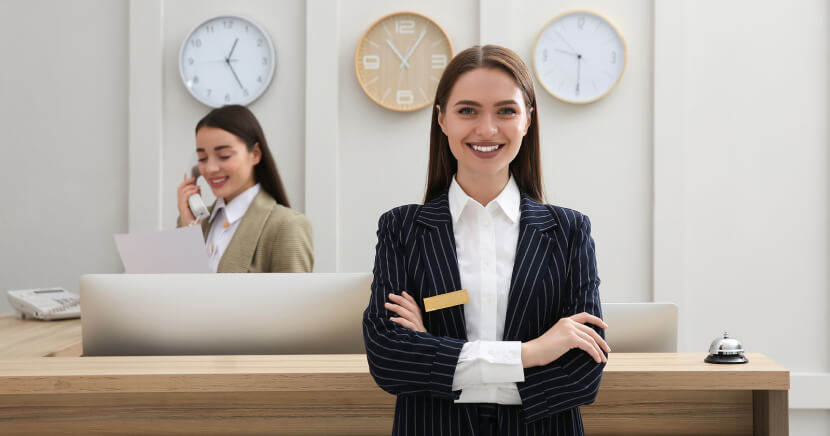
(19,338)
(640,394)
(346,371)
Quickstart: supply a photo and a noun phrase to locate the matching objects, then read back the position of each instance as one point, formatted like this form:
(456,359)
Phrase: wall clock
(227,60)
(399,61)
(579,56)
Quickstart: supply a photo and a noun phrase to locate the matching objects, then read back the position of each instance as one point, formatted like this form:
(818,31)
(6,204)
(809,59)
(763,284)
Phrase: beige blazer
(270,238)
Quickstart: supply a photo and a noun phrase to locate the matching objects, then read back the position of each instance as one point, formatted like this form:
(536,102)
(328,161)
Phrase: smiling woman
(251,226)
(526,349)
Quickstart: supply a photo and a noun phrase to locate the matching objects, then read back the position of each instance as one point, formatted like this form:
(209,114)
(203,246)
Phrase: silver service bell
(726,350)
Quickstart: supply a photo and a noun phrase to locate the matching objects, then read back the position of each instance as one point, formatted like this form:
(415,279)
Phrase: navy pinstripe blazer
(554,276)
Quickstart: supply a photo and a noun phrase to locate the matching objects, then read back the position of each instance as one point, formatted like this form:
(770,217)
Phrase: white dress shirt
(220,235)
(485,241)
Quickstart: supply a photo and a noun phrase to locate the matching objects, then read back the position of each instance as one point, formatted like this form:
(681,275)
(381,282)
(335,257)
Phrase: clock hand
(235,76)
(228,58)
(403,61)
(578,71)
(567,52)
(228,62)
(576,52)
(418,41)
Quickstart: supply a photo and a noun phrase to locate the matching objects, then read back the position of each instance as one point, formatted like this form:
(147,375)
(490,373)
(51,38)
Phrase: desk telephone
(45,303)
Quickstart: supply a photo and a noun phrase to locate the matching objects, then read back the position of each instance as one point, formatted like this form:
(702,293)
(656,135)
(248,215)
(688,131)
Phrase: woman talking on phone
(527,349)
(251,226)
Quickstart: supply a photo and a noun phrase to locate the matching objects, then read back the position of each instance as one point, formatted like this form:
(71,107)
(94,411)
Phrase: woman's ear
(529,120)
(441,119)
(257,153)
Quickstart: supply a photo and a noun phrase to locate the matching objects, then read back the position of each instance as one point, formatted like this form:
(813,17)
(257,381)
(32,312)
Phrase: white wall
(742,171)
(63,154)
(706,171)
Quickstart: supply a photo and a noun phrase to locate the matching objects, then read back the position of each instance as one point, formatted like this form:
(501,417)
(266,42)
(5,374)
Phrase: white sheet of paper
(180,250)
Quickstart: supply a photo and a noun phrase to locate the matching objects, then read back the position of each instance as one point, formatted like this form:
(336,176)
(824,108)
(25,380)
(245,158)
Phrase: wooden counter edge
(328,372)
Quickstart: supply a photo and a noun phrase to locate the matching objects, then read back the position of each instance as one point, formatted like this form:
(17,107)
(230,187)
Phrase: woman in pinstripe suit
(527,349)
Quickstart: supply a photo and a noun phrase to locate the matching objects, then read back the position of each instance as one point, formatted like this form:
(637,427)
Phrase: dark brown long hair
(526,167)
(242,123)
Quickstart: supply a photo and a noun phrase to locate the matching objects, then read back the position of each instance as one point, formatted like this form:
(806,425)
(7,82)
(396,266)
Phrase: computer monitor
(210,314)
(641,327)
(319,313)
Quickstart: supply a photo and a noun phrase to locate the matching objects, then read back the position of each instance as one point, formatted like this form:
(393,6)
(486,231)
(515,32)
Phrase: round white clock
(579,56)
(227,60)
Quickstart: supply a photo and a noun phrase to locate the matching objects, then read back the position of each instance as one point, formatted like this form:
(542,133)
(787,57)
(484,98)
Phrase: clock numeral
(190,61)
(196,42)
(439,61)
(209,92)
(371,62)
(580,22)
(245,92)
(246,28)
(404,26)
(227,98)
(259,79)
(264,61)
(545,55)
(258,41)
(228,24)
(405,96)
(209,28)
(195,80)
(613,57)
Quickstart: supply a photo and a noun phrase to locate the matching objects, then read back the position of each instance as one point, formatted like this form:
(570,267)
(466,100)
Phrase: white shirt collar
(509,200)
(236,209)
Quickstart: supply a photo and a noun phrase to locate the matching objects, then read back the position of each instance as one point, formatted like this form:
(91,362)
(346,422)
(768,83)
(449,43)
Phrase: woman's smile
(217,182)
(485,149)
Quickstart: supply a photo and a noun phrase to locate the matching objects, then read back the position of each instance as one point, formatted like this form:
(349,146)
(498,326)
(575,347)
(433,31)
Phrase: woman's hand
(567,334)
(409,314)
(187,188)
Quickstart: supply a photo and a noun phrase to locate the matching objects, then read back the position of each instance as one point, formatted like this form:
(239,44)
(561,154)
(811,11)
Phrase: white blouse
(485,241)
(224,219)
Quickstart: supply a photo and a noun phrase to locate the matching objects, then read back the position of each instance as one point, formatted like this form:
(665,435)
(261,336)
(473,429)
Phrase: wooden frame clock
(399,61)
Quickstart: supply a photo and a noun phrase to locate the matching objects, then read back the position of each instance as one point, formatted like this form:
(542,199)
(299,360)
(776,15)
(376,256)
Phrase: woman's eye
(224,157)
(466,111)
(202,159)
(507,111)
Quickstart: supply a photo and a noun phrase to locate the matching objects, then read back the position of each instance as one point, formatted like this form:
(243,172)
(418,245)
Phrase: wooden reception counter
(46,388)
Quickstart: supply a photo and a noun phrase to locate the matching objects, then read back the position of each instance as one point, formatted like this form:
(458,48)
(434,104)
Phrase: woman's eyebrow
(477,104)
(217,148)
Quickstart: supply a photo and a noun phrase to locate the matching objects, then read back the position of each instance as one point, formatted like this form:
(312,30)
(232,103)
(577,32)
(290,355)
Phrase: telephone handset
(197,205)
(45,303)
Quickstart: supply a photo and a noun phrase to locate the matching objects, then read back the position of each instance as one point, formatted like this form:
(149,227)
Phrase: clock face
(227,60)
(579,56)
(399,61)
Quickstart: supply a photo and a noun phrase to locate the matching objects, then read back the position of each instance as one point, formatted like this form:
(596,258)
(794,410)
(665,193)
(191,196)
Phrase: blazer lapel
(206,223)
(531,267)
(240,251)
(436,244)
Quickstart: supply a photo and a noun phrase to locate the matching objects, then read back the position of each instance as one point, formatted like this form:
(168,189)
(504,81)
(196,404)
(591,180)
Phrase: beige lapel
(240,251)
(206,222)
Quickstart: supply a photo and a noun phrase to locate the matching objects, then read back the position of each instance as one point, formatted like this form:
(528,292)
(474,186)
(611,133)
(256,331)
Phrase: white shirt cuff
(484,362)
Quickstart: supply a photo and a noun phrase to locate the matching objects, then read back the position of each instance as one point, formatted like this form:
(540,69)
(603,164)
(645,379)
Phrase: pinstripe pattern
(554,275)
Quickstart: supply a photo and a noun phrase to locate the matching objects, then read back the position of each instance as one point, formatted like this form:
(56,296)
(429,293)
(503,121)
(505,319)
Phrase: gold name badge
(444,301)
